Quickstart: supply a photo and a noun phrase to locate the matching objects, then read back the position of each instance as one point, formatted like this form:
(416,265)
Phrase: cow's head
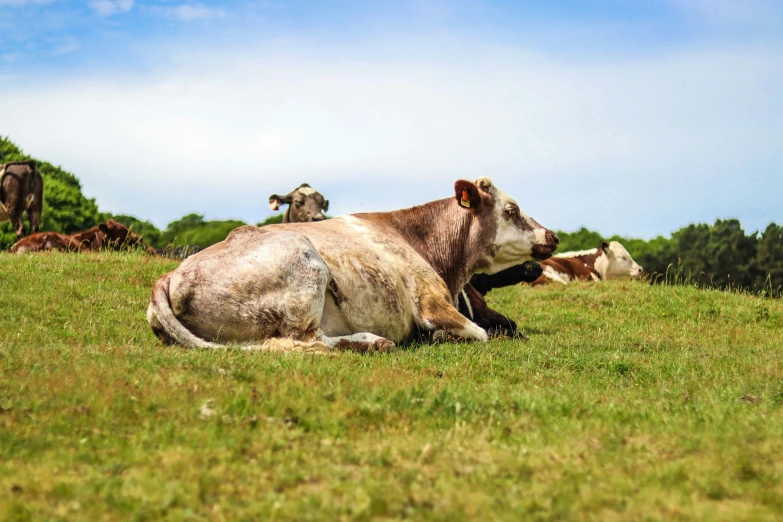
(117,236)
(516,236)
(618,263)
(304,204)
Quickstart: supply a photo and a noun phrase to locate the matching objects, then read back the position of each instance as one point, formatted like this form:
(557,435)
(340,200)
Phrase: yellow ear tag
(465,201)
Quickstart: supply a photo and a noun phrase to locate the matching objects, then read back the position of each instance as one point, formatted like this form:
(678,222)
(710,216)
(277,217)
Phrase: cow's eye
(512,212)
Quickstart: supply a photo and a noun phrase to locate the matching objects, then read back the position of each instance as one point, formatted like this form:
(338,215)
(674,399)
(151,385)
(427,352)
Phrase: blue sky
(630,117)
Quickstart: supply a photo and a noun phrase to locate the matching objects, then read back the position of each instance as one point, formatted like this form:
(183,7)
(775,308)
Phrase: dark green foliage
(193,230)
(272,220)
(582,239)
(769,259)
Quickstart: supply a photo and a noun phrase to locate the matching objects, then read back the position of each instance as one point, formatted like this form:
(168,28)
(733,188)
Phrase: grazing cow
(360,282)
(21,190)
(106,236)
(471,301)
(304,204)
(611,261)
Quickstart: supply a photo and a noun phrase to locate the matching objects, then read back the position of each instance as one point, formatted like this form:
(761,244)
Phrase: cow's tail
(169,329)
(165,324)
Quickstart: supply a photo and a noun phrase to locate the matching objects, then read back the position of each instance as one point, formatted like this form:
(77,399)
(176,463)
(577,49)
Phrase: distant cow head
(517,236)
(304,204)
(618,263)
(117,236)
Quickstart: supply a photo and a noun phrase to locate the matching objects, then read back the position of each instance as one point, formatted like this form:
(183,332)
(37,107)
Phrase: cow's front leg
(360,342)
(436,313)
(18,224)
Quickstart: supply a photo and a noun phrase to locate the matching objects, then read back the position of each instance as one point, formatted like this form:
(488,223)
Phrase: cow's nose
(551,237)
(319,217)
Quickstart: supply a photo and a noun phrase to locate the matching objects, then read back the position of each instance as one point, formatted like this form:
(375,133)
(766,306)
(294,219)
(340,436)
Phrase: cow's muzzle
(319,217)
(542,252)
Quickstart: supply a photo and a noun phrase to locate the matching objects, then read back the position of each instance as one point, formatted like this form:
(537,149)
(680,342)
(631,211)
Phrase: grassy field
(628,402)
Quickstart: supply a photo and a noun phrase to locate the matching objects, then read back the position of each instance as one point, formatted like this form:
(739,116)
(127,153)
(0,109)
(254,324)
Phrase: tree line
(720,255)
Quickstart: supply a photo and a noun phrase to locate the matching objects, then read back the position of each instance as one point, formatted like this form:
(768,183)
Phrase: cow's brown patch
(455,241)
(580,268)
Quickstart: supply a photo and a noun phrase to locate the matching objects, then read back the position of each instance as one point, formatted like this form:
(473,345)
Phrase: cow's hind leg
(18,224)
(436,313)
(34,216)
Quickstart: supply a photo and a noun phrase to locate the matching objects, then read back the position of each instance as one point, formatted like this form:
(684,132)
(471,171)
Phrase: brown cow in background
(105,236)
(305,204)
(21,190)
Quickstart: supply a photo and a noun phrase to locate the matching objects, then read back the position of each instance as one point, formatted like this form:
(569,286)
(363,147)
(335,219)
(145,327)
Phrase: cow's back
(42,241)
(565,270)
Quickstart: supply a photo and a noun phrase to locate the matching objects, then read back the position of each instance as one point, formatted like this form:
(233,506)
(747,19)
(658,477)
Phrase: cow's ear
(467,194)
(103,227)
(326,205)
(275,201)
(605,247)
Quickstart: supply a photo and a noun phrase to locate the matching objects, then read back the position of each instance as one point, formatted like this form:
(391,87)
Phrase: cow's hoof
(379,345)
(505,333)
(384,346)
(439,337)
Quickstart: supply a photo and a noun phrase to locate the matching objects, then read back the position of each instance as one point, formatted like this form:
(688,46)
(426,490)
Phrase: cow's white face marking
(306,191)
(517,232)
(616,263)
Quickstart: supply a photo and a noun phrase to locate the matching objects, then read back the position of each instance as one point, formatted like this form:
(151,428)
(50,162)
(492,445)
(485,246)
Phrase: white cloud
(68,46)
(633,146)
(111,7)
(188,12)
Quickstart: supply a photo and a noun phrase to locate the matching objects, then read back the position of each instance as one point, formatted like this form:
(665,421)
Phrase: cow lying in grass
(611,261)
(307,204)
(360,282)
(106,236)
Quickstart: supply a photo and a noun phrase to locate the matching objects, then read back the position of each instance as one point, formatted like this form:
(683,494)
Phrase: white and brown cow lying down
(611,261)
(111,235)
(360,282)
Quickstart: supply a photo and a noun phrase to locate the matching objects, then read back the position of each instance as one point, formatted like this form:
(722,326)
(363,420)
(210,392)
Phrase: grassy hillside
(628,401)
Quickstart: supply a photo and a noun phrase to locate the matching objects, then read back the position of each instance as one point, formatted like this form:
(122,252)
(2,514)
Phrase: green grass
(628,402)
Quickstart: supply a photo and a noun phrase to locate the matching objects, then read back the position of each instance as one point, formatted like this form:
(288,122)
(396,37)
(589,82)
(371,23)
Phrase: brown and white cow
(106,236)
(21,190)
(304,204)
(362,281)
(611,261)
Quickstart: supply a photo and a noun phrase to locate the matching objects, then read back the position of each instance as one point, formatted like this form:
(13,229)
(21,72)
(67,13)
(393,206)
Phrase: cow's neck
(440,233)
